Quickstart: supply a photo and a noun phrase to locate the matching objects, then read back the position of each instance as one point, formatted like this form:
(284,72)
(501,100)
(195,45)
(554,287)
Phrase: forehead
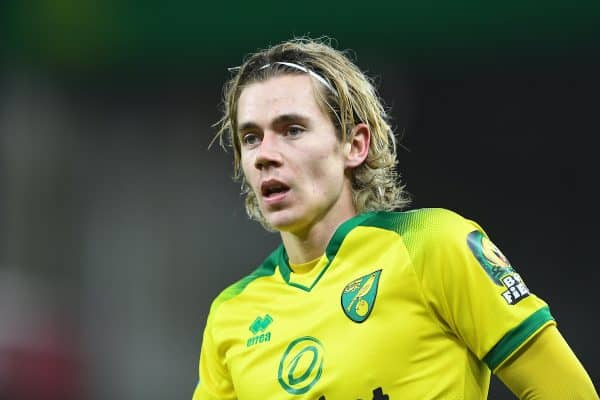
(263,101)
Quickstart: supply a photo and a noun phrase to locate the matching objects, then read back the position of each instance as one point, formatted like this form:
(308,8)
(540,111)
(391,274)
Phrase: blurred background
(118,225)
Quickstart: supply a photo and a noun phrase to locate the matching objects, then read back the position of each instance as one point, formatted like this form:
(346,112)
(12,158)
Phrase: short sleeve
(475,291)
(214,382)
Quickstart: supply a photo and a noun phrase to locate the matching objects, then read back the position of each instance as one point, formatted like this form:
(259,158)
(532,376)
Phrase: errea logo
(257,328)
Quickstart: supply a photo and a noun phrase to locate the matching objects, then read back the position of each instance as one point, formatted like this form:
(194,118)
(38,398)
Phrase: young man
(361,301)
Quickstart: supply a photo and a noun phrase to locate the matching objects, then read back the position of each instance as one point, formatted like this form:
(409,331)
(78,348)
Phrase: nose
(268,153)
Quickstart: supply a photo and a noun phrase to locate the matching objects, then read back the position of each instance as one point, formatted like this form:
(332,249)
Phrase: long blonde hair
(346,94)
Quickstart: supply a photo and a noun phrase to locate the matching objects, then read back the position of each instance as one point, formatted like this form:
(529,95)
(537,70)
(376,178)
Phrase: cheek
(247,169)
(327,174)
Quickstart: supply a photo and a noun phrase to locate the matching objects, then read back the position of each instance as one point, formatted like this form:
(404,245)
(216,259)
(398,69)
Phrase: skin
(286,137)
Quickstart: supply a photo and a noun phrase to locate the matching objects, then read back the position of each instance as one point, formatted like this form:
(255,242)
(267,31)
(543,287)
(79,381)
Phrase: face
(291,156)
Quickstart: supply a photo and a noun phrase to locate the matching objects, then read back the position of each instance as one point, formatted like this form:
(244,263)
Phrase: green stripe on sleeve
(516,337)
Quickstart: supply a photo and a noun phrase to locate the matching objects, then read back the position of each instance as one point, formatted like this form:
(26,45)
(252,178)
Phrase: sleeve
(214,382)
(546,368)
(475,291)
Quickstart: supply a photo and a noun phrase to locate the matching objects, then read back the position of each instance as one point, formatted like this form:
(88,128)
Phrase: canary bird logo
(358,297)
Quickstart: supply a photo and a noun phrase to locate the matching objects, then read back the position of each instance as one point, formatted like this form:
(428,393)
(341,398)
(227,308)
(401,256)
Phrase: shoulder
(423,221)
(427,231)
(266,269)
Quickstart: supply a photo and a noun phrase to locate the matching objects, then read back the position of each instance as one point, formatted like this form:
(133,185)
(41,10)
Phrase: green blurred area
(67,35)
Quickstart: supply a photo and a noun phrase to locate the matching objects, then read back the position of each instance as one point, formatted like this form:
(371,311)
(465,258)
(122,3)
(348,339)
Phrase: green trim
(394,221)
(400,221)
(330,252)
(342,231)
(516,337)
(282,261)
(267,268)
(285,270)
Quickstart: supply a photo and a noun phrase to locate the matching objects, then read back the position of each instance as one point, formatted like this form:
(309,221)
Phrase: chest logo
(301,365)
(358,297)
(258,328)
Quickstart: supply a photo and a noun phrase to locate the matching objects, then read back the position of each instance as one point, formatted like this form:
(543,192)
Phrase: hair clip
(299,68)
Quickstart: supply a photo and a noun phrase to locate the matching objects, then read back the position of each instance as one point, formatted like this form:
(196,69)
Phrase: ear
(357,147)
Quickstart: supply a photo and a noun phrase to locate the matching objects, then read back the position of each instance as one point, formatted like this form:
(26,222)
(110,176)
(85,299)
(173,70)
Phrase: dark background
(119,225)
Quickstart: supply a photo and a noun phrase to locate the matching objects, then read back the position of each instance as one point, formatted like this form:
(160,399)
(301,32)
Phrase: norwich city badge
(358,297)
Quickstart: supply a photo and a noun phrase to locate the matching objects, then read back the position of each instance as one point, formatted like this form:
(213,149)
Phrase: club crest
(358,297)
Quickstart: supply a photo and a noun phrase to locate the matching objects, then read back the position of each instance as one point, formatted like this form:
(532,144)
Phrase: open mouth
(273,188)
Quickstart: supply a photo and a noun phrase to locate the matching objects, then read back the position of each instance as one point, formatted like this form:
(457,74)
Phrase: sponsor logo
(258,328)
(377,395)
(358,297)
(301,365)
(516,289)
(497,267)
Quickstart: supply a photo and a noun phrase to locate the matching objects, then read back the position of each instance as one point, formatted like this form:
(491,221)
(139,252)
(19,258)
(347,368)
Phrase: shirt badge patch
(498,268)
(358,297)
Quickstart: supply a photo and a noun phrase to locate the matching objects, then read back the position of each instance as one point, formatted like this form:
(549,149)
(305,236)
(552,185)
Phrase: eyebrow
(279,120)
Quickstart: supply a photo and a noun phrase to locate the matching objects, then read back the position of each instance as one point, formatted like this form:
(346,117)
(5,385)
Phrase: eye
(294,130)
(250,139)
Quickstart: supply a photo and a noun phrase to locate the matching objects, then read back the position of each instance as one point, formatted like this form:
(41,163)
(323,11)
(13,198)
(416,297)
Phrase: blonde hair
(349,98)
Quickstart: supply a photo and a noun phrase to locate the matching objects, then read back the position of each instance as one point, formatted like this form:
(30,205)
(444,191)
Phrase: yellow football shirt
(402,305)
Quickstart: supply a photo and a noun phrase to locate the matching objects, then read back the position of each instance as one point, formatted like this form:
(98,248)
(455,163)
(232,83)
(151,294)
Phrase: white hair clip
(308,71)
(299,68)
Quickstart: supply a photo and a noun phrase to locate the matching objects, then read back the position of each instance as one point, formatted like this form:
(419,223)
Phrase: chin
(281,224)
(283,220)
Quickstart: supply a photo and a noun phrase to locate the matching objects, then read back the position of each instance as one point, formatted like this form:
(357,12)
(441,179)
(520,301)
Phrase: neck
(310,243)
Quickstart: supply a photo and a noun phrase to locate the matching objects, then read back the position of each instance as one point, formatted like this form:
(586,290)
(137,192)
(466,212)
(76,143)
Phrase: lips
(272,187)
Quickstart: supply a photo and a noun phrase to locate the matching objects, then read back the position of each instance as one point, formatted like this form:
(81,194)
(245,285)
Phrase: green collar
(281,258)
